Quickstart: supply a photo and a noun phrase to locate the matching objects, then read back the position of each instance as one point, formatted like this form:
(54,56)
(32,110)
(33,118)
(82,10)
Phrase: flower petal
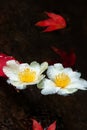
(48,87)
(23,66)
(16,84)
(66,92)
(35,66)
(72,74)
(44,66)
(39,68)
(11,70)
(79,84)
(54,70)
(3,59)
(13,64)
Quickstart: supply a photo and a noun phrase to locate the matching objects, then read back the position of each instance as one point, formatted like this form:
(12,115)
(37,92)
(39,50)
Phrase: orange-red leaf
(45,23)
(36,125)
(67,59)
(50,28)
(54,22)
(57,18)
(52,126)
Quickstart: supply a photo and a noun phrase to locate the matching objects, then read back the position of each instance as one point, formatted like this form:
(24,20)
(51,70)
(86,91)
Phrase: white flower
(20,75)
(62,81)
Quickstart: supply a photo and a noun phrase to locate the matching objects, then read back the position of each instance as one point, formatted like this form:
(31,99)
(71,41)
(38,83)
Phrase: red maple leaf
(3,59)
(54,22)
(37,126)
(67,59)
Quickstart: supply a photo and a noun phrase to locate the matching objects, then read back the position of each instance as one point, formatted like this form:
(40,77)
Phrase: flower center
(62,80)
(27,75)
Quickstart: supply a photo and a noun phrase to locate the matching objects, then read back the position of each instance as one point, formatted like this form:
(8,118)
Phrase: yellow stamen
(27,75)
(62,80)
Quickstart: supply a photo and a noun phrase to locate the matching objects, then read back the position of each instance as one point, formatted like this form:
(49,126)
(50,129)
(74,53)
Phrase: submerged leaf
(67,59)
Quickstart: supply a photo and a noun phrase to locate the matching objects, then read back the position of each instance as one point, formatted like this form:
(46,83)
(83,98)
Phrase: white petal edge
(44,66)
(48,87)
(17,85)
(11,70)
(66,92)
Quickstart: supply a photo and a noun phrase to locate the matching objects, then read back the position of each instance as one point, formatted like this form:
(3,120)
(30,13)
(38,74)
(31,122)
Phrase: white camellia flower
(20,75)
(62,81)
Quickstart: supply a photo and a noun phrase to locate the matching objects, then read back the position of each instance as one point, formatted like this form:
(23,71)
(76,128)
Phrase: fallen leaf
(54,22)
(37,126)
(67,59)
(52,126)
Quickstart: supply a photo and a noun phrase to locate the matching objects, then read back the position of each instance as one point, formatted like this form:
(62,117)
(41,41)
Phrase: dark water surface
(20,38)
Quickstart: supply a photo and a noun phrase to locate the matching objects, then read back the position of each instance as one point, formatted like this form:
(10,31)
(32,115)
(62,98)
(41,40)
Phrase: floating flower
(20,75)
(3,59)
(62,81)
(37,126)
(54,22)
